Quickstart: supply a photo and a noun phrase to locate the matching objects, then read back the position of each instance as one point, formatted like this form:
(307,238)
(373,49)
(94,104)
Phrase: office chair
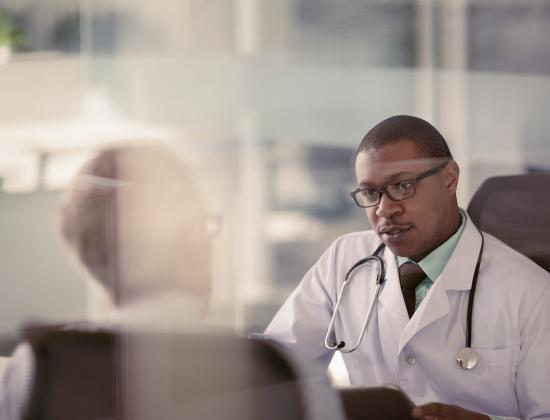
(74,375)
(207,376)
(100,375)
(516,210)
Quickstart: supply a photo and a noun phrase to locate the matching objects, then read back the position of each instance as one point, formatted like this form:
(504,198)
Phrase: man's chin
(401,250)
(398,244)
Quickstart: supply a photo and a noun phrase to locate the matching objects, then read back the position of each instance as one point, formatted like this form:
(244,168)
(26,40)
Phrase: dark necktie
(410,274)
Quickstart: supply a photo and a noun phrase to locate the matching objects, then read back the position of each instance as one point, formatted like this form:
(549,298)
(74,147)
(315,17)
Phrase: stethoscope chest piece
(467,358)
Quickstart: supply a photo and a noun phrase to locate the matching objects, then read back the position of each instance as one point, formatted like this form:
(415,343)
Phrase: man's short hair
(428,141)
(137,224)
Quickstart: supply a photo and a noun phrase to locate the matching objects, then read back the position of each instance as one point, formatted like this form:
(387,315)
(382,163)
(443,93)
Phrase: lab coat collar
(457,274)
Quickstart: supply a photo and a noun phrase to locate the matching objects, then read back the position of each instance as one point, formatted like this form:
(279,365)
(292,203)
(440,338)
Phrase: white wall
(38,279)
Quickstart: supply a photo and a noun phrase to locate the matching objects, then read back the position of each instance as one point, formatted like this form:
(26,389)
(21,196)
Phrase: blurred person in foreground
(134,220)
(432,252)
(136,223)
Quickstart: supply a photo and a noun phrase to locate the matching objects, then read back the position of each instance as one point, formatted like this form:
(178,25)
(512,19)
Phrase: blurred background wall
(268,100)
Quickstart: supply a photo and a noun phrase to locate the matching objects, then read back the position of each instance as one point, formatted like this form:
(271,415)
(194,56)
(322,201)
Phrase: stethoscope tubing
(471,296)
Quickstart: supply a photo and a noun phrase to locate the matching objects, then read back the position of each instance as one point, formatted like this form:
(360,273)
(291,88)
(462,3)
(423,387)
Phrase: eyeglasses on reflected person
(396,191)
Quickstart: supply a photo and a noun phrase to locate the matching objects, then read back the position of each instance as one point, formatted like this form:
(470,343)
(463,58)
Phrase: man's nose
(387,207)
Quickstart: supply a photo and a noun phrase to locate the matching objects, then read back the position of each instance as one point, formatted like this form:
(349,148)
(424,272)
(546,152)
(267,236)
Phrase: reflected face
(415,226)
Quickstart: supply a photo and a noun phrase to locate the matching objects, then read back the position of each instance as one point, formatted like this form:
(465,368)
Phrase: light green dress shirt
(434,263)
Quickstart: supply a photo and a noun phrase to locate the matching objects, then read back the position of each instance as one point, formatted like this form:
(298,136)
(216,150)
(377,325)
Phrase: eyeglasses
(396,191)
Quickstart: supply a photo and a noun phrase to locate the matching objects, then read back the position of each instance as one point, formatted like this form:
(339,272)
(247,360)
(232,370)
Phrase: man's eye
(370,193)
(402,186)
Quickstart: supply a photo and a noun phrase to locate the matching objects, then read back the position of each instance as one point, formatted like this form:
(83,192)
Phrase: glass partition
(267,101)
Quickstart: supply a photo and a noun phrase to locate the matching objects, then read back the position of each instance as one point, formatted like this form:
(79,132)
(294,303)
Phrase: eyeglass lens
(398,191)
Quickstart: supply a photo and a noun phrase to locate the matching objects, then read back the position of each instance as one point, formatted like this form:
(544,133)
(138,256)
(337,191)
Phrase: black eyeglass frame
(384,190)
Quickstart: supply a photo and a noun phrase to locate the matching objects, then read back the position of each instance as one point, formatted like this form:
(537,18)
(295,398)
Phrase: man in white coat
(407,181)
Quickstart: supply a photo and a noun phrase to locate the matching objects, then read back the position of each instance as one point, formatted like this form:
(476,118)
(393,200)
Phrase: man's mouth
(393,231)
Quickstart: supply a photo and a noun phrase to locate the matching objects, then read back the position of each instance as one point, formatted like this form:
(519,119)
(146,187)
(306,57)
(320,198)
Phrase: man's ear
(451,173)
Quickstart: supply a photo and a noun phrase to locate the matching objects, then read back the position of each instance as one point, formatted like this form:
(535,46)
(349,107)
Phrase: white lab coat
(511,326)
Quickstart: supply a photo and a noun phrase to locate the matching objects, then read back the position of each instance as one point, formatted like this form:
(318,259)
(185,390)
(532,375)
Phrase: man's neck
(454,224)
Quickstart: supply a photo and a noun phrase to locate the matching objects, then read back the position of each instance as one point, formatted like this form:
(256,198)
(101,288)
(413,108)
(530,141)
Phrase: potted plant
(10,37)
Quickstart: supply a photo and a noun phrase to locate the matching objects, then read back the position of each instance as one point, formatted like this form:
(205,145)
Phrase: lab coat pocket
(495,371)
(496,357)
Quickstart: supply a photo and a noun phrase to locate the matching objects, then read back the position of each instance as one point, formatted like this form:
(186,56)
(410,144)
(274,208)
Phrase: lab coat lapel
(457,275)
(392,313)
(434,306)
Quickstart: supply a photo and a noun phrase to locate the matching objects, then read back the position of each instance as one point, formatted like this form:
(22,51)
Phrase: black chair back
(100,375)
(74,375)
(516,210)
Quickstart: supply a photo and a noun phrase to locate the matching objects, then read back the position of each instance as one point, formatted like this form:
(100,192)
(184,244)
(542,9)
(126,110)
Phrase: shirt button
(411,360)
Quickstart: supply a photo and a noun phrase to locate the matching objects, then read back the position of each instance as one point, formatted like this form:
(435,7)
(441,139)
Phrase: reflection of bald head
(428,141)
(137,224)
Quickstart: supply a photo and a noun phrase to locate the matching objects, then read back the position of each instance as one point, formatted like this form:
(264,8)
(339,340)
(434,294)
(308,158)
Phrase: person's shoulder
(506,254)
(514,264)
(16,382)
(362,243)
(362,236)
(21,361)
(350,247)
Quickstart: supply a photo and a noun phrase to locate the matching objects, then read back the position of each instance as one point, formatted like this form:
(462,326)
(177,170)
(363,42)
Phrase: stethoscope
(467,358)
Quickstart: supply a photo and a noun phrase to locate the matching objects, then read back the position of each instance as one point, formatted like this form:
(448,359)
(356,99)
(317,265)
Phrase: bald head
(137,223)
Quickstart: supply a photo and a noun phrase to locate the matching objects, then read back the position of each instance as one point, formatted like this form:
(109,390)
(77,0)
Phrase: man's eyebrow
(392,178)
(401,175)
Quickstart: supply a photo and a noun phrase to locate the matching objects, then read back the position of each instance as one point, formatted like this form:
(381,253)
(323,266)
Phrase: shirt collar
(434,263)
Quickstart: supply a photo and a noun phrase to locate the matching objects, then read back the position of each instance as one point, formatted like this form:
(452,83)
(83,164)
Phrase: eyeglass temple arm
(432,171)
